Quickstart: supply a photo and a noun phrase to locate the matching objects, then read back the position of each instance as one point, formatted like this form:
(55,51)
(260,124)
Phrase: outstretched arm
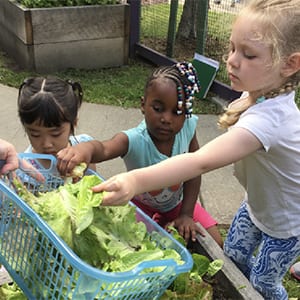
(223,150)
(184,222)
(91,152)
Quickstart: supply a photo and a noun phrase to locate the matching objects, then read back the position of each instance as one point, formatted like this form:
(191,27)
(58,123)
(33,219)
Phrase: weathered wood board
(52,39)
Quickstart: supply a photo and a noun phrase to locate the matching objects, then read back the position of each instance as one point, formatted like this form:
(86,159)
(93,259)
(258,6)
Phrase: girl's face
(160,111)
(48,140)
(249,65)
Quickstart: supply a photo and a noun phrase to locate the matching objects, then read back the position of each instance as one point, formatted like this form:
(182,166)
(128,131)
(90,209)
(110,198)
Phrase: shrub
(59,3)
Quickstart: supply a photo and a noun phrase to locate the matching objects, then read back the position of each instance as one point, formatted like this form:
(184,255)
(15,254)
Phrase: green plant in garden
(58,3)
(190,285)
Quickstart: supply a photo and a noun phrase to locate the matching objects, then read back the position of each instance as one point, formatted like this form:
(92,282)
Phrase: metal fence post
(172,28)
(135,16)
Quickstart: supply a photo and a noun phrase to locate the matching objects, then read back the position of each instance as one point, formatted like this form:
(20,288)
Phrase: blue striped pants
(263,259)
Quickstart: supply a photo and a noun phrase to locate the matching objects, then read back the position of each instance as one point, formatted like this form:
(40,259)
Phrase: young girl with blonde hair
(263,141)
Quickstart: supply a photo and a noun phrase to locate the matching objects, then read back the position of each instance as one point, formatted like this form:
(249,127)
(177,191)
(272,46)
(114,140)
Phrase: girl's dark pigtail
(77,89)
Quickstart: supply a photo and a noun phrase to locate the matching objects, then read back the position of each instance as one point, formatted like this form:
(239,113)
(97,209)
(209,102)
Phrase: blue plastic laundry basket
(44,267)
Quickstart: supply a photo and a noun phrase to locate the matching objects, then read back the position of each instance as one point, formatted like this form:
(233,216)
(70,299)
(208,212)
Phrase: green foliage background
(59,3)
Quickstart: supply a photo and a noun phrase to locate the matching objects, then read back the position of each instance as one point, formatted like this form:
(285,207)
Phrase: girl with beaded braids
(48,110)
(263,142)
(168,129)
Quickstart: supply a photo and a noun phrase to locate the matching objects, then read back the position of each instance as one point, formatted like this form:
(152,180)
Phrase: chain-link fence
(155,15)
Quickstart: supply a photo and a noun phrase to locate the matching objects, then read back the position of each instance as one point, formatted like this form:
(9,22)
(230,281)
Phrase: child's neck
(287,87)
(164,147)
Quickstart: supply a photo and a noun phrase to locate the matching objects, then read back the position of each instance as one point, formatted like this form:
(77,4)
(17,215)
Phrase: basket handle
(37,156)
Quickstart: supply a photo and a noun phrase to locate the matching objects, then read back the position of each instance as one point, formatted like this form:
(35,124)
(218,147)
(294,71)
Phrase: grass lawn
(121,86)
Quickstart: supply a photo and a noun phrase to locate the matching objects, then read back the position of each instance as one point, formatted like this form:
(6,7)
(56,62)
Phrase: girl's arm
(227,148)
(91,152)
(191,187)
(184,222)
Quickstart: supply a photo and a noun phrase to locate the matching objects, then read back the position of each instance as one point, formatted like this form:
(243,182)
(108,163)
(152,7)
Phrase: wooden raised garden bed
(229,283)
(52,39)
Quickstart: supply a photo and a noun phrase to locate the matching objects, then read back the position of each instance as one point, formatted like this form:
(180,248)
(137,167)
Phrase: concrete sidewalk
(220,191)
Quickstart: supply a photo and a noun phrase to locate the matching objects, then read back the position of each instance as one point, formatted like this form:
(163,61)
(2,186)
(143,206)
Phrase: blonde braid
(286,88)
(231,115)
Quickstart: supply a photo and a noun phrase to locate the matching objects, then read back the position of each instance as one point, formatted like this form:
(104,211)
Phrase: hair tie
(76,86)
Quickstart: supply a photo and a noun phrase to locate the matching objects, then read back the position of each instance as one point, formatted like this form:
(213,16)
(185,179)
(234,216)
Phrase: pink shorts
(200,214)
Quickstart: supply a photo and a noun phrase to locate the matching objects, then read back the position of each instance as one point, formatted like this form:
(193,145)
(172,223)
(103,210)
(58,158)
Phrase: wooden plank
(4,276)
(16,49)
(153,56)
(229,274)
(224,91)
(12,19)
(91,54)
(221,89)
(78,23)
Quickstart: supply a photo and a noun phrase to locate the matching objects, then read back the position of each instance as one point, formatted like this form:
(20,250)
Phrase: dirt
(185,49)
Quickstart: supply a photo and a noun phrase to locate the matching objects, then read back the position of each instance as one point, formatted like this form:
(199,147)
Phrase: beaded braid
(191,86)
(184,75)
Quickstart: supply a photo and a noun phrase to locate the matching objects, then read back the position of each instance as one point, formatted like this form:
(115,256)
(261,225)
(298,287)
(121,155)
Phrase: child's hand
(9,157)
(28,168)
(70,157)
(186,227)
(121,189)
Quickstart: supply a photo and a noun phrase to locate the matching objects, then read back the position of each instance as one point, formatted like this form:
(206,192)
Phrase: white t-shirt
(271,176)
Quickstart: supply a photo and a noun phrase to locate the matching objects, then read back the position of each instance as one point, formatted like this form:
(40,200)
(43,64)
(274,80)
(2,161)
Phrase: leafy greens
(108,238)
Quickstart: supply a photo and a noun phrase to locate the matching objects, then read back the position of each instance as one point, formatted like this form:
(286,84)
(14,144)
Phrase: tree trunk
(187,26)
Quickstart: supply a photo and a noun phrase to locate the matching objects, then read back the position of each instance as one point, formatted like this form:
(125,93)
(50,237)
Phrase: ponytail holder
(76,86)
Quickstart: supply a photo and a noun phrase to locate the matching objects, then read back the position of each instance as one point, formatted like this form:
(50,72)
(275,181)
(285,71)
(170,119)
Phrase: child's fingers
(104,186)
(65,163)
(115,194)
(193,235)
(8,167)
(113,199)
(31,170)
(201,232)
(200,229)
(9,164)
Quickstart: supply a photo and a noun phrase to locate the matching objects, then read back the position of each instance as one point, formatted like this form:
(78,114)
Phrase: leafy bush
(58,3)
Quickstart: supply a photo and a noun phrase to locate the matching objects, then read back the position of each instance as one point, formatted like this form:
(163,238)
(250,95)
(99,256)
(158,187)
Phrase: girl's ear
(142,105)
(292,65)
